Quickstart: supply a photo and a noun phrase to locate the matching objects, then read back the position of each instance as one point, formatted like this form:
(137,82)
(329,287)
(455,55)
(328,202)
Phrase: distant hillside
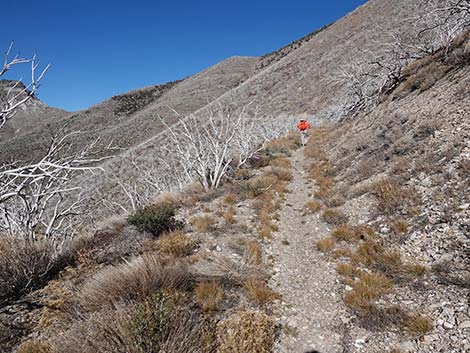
(30,116)
(133,117)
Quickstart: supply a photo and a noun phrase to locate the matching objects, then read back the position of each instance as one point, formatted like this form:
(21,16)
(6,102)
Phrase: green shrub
(156,219)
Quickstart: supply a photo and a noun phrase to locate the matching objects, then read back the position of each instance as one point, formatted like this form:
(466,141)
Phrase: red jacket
(303,125)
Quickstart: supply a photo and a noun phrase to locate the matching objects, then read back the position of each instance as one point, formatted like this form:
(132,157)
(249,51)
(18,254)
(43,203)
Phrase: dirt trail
(311,307)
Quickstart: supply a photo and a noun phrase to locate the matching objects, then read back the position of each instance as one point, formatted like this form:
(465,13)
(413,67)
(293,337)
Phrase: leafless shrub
(246,331)
(25,266)
(18,94)
(38,200)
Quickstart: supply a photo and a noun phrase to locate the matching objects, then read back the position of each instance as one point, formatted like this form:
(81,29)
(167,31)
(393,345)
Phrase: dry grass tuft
(334,216)
(392,197)
(246,331)
(418,325)
(253,253)
(416,270)
(258,291)
(132,281)
(229,215)
(369,287)
(325,244)
(344,233)
(313,206)
(34,347)
(204,223)
(230,199)
(281,162)
(209,295)
(265,232)
(176,244)
(400,226)
(345,269)
(282,174)
(259,185)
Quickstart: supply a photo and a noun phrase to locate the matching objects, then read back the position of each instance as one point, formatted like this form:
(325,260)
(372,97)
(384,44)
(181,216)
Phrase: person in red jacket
(303,126)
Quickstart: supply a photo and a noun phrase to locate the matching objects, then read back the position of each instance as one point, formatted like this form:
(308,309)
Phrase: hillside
(300,82)
(32,115)
(130,118)
(357,242)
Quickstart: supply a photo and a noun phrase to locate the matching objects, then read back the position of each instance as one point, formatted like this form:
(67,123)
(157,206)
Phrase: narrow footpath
(311,307)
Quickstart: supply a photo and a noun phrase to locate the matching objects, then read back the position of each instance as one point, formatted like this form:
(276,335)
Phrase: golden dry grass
(253,253)
(325,244)
(416,270)
(176,244)
(229,215)
(344,233)
(209,295)
(345,269)
(246,331)
(34,347)
(334,216)
(282,174)
(369,287)
(230,199)
(400,226)
(281,162)
(265,232)
(418,325)
(204,223)
(258,291)
(313,206)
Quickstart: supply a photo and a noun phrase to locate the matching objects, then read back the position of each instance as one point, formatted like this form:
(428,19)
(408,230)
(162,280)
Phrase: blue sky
(101,48)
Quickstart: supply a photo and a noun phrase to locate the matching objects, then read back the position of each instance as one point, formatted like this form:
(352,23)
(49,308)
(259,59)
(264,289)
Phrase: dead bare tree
(35,200)
(18,94)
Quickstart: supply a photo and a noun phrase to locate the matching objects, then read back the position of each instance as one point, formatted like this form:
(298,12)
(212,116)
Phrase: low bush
(156,219)
(282,174)
(209,295)
(246,331)
(132,281)
(334,216)
(25,266)
(176,244)
(281,162)
(325,244)
(34,347)
(230,199)
(204,223)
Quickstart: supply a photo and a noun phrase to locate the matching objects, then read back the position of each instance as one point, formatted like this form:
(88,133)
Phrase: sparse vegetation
(258,291)
(209,295)
(418,325)
(246,331)
(205,223)
(325,244)
(334,216)
(176,243)
(313,206)
(34,347)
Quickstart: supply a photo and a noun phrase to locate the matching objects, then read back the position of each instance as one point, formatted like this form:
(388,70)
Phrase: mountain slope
(29,116)
(132,117)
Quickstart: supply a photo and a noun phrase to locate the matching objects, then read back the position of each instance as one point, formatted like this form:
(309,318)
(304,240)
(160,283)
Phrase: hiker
(303,126)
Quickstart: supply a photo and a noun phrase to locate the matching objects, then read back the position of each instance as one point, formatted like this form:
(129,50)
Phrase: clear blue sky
(101,48)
